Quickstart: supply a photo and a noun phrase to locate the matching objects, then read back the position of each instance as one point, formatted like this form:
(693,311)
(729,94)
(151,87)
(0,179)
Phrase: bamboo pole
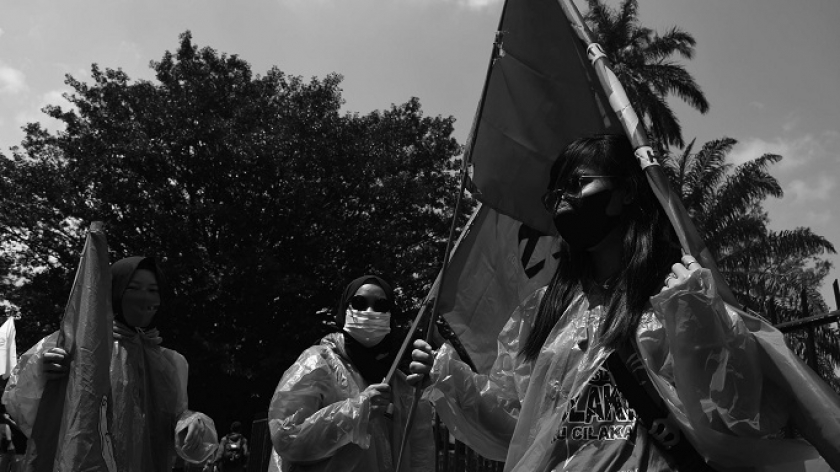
(690,240)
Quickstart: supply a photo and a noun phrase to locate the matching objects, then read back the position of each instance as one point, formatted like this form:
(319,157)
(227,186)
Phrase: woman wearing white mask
(329,409)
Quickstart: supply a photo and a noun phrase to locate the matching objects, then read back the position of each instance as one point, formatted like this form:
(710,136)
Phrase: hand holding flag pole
(450,245)
(431,323)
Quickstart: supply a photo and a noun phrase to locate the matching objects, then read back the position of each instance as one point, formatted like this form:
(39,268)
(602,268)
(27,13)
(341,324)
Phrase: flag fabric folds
(71,430)
(498,262)
(541,94)
(8,348)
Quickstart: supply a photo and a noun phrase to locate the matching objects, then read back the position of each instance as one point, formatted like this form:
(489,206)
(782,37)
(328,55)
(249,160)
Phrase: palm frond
(668,78)
(673,41)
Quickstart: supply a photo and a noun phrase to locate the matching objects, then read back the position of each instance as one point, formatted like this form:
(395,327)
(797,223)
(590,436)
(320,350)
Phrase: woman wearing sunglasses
(330,411)
(628,359)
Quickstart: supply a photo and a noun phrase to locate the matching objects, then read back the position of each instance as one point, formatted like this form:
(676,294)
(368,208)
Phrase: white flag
(8,348)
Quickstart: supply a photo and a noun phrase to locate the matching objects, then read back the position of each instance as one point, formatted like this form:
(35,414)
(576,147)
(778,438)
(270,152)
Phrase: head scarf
(372,362)
(121,273)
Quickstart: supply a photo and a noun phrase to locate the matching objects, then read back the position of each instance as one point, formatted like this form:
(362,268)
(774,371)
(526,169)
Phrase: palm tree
(767,270)
(641,59)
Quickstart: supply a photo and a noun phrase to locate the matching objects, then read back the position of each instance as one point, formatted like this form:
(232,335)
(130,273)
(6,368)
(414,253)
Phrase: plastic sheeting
(727,377)
(149,387)
(319,418)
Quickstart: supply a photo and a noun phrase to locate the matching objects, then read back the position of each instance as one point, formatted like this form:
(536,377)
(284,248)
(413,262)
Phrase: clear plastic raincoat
(319,419)
(727,378)
(149,388)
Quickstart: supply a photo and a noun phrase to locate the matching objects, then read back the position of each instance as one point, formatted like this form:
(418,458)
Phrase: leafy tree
(766,269)
(260,197)
(641,59)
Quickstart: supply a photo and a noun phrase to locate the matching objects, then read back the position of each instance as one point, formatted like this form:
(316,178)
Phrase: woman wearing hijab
(328,413)
(151,422)
(629,359)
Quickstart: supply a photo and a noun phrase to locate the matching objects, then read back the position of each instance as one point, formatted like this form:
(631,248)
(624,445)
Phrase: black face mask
(585,223)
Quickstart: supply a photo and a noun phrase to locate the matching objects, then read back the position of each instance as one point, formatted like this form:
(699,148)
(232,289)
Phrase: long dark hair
(648,248)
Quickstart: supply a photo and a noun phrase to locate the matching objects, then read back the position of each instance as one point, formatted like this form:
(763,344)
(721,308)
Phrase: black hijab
(121,273)
(372,362)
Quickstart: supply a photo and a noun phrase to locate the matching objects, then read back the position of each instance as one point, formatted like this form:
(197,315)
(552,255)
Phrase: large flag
(8,348)
(497,263)
(71,430)
(541,94)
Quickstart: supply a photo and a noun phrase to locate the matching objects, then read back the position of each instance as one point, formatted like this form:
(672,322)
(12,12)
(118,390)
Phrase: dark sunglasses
(361,303)
(572,191)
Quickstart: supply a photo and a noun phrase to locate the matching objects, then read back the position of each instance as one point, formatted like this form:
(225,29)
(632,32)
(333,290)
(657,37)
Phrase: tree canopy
(259,196)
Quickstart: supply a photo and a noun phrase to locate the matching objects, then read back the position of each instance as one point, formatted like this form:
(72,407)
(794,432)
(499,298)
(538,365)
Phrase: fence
(454,456)
(260,444)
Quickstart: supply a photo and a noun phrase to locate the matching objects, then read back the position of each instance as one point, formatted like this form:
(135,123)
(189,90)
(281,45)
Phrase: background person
(151,422)
(232,455)
(328,411)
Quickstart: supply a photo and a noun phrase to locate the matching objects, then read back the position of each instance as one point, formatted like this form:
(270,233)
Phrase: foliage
(766,269)
(641,59)
(260,197)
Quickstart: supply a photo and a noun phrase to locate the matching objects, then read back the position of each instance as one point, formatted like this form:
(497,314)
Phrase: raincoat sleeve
(482,410)
(26,385)
(731,382)
(311,416)
(200,444)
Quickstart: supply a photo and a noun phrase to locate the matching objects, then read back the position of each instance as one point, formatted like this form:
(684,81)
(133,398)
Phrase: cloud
(819,218)
(12,81)
(470,4)
(34,113)
(819,190)
(55,97)
(131,52)
(796,151)
(791,124)
(477,4)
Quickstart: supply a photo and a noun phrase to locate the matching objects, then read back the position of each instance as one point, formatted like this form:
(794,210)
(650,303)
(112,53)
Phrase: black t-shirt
(599,432)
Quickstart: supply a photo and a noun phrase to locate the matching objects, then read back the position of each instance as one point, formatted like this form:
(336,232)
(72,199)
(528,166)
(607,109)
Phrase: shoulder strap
(632,380)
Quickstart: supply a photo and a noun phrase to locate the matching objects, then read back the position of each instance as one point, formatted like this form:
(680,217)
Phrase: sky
(769,68)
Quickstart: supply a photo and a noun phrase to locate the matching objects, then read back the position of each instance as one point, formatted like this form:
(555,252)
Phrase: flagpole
(690,239)
(496,53)
(463,177)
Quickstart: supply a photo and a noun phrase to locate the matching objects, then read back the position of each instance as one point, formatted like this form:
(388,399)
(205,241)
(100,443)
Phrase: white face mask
(367,327)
